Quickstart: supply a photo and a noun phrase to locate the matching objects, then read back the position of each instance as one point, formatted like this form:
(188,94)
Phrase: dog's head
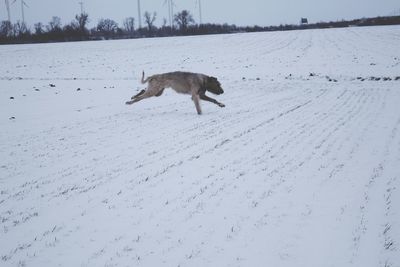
(213,86)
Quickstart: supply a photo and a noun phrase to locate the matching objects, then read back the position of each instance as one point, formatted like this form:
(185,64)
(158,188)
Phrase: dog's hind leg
(139,94)
(139,98)
(160,93)
(146,94)
(209,99)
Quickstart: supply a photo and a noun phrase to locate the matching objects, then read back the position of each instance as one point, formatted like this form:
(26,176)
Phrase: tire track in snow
(377,193)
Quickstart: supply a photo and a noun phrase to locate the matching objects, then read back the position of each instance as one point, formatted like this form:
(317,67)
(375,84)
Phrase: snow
(301,168)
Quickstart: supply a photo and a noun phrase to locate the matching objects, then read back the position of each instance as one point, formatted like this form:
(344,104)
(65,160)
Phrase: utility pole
(139,14)
(81,4)
(200,12)
(22,11)
(8,10)
(169,13)
(198,2)
(172,12)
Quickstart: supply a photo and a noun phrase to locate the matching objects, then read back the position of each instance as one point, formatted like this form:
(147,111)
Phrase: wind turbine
(8,10)
(200,15)
(23,4)
(170,11)
(81,4)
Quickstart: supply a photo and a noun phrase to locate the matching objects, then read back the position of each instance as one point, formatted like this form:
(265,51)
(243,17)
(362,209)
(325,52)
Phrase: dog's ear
(213,80)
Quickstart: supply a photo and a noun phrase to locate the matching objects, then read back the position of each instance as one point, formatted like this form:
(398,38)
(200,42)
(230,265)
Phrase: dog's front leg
(212,100)
(195,98)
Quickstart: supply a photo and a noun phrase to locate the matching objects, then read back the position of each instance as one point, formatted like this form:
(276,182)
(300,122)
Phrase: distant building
(303,21)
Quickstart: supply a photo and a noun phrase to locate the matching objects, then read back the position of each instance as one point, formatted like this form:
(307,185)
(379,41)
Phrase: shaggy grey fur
(194,84)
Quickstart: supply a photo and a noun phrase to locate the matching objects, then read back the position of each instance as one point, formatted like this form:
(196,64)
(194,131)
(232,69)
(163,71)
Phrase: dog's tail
(143,80)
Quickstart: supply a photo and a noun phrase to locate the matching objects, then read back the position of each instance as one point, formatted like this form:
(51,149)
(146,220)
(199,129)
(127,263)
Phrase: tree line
(183,24)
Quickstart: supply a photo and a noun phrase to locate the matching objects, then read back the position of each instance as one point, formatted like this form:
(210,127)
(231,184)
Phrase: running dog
(194,84)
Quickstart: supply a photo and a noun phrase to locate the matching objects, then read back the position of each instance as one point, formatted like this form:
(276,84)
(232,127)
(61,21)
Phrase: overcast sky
(245,12)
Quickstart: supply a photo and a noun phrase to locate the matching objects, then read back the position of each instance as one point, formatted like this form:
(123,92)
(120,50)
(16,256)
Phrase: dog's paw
(128,102)
(221,105)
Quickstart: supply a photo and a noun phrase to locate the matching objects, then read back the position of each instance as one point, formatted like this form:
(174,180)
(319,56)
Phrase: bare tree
(39,28)
(5,28)
(149,19)
(54,24)
(129,25)
(82,20)
(184,19)
(108,27)
(20,29)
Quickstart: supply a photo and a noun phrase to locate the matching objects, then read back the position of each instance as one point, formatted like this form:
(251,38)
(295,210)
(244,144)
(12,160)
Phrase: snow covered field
(301,168)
